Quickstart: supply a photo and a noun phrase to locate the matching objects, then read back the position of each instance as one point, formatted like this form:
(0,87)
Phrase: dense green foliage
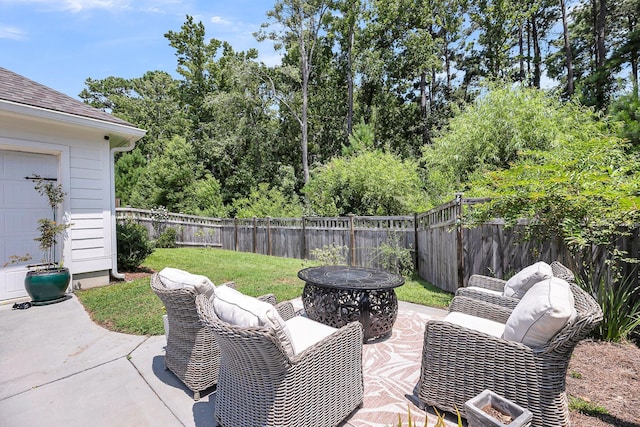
(368,183)
(402,68)
(264,201)
(496,131)
(133,245)
(167,239)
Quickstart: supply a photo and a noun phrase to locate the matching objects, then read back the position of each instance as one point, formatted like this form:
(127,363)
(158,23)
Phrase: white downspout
(114,242)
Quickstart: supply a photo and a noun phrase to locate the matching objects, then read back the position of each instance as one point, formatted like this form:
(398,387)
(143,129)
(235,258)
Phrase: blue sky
(60,43)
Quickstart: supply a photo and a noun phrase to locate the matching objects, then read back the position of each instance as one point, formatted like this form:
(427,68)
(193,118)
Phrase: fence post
(268,235)
(352,240)
(235,237)
(415,239)
(304,240)
(255,235)
(459,242)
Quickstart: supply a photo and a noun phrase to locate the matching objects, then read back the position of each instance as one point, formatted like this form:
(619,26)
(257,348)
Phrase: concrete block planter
(478,417)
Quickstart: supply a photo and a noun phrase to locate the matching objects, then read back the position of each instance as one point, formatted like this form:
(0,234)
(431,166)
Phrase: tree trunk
(567,49)
(521,53)
(529,50)
(305,105)
(633,58)
(537,56)
(350,82)
(600,34)
(424,111)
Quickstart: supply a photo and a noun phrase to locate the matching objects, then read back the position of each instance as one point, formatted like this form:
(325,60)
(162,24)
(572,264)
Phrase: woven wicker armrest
(474,307)
(229,284)
(486,282)
(270,298)
(562,272)
(477,294)
(286,310)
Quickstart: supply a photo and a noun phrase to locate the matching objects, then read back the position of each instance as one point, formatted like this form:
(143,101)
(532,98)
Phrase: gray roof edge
(21,90)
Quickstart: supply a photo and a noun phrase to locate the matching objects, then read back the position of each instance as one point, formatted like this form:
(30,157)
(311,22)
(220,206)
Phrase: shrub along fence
(444,253)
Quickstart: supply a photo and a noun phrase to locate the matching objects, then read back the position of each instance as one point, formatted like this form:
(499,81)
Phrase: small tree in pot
(47,282)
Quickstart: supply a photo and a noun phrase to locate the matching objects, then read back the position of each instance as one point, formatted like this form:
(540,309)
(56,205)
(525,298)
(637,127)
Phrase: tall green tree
(176,180)
(296,24)
(199,71)
(150,102)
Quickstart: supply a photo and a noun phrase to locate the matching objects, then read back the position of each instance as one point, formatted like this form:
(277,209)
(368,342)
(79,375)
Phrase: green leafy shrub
(133,245)
(366,183)
(264,201)
(621,313)
(167,239)
(496,131)
(330,255)
(394,257)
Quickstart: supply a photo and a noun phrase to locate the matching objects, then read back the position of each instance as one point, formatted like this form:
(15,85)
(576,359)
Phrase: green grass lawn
(133,307)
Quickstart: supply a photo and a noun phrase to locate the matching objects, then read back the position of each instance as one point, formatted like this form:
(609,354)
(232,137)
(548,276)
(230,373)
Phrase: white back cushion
(519,284)
(541,313)
(173,278)
(238,309)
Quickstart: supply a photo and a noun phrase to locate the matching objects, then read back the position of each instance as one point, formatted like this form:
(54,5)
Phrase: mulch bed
(608,375)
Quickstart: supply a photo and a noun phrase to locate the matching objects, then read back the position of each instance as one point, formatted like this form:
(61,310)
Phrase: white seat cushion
(479,324)
(306,332)
(238,309)
(519,284)
(541,313)
(485,290)
(173,278)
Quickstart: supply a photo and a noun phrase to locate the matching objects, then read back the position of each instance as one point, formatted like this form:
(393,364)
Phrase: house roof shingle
(21,90)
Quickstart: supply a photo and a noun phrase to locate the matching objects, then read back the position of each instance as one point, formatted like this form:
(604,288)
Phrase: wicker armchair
(261,385)
(459,363)
(192,352)
(478,284)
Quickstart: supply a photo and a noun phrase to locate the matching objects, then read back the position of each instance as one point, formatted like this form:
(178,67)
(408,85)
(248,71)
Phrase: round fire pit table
(336,295)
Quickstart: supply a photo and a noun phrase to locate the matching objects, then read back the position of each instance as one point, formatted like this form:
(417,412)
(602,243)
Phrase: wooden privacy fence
(192,230)
(358,237)
(445,253)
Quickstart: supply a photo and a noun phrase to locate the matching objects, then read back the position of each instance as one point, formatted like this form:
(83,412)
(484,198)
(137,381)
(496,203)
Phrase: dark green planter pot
(47,286)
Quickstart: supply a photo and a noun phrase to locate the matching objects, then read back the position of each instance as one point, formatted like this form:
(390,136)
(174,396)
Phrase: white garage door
(20,208)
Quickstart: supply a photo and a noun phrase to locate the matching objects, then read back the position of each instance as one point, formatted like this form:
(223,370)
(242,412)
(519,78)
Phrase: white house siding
(83,170)
(90,207)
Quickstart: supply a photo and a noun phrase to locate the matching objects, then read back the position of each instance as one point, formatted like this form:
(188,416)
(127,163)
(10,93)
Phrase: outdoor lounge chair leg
(196,395)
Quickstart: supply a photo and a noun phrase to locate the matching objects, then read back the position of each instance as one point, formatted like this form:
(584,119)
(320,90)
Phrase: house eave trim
(129,133)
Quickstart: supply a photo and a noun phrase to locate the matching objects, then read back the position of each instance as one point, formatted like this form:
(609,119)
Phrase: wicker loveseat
(491,289)
(460,362)
(192,352)
(262,384)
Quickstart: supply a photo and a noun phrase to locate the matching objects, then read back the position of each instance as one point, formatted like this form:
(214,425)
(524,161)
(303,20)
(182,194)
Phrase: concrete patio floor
(57,367)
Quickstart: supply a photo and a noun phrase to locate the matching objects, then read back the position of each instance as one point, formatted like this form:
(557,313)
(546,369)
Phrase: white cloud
(84,5)
(78,5)
(13,33)
(219,20)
